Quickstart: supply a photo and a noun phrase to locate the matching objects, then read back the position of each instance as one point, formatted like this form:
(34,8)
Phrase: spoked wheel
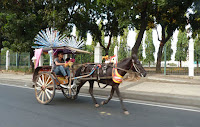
(45,88)
(66,93)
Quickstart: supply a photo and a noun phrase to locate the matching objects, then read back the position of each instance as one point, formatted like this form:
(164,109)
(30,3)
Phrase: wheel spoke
(51,86)
(49,83)
(47,80)
(39,84)
(42,96)
(47,94)
(51,92)
(43,79)
(39,92)
(40,80)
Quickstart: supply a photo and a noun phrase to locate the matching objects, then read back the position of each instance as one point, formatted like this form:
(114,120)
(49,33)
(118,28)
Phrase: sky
(132,37)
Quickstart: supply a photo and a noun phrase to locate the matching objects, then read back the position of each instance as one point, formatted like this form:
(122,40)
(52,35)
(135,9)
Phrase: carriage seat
(61,79)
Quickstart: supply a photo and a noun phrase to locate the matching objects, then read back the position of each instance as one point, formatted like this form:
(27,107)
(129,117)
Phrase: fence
(22,60)
(173,70)
(17,60)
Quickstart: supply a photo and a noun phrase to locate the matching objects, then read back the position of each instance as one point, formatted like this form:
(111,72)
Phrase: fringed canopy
(52,39)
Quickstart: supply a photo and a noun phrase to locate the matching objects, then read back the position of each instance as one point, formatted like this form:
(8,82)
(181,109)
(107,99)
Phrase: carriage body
(46,82)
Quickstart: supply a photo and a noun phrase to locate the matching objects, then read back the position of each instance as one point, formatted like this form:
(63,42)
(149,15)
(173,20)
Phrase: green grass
(21,69)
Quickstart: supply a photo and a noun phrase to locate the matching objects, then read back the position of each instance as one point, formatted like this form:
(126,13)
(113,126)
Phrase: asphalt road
(19,108)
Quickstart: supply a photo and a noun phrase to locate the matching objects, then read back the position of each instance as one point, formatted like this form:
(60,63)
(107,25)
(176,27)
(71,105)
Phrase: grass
(23,69)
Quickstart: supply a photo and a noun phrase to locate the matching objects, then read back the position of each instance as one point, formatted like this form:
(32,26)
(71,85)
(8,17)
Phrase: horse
(131,63)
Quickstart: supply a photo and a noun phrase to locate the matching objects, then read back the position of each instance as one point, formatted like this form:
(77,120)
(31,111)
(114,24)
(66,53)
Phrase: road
(19,108)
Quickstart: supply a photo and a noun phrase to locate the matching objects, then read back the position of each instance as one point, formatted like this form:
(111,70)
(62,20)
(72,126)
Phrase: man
(60,65)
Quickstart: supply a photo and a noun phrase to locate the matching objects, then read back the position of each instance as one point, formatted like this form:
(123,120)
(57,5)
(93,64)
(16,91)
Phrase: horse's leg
(110,97)
(91,93)
(78,88)
(121,100)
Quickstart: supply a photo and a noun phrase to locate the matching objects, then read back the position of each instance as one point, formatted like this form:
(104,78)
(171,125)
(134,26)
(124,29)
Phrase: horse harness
(116,77)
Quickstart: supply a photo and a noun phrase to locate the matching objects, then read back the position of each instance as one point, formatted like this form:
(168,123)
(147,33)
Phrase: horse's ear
(134,56)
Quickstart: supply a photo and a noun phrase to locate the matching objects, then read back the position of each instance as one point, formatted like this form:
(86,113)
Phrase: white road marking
(125,100)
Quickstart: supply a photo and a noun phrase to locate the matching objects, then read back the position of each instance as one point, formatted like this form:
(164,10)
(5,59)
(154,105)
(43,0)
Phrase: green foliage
(21,22)
(194,18)
(112,46)
(171,15)
(149,47)
(123,48)
(85,58)
(182,46)
(196,49)
(169,51)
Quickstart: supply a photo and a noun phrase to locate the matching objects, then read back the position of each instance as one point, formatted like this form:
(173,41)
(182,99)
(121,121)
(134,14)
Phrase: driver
(60,67)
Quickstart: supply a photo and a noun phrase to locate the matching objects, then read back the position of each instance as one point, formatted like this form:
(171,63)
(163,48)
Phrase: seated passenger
(60,67)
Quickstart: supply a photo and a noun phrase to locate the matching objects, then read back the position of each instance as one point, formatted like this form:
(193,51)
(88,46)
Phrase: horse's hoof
(96,105)
(74,98)
(103,102)
(126,113)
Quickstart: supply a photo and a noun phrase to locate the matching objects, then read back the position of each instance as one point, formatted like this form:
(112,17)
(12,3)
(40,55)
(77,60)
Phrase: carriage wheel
(45,88)
(66,93)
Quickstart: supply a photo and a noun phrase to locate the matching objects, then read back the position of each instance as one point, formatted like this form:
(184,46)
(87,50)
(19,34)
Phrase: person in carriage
(60,67)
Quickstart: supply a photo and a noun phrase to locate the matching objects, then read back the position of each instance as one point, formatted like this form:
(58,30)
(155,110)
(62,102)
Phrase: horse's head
(137,66)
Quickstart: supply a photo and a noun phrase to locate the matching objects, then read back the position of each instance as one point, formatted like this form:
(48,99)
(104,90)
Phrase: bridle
(136,68)
(133,65)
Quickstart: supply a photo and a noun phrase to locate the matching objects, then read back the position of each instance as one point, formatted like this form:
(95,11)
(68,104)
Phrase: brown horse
(129,63)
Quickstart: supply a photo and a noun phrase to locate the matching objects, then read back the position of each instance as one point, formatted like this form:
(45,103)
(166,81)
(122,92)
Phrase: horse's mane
(124,60)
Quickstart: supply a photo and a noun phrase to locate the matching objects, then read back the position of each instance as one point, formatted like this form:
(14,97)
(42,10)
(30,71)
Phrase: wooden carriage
(47,82)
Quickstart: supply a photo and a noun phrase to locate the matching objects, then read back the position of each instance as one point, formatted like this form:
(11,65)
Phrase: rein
(115,67)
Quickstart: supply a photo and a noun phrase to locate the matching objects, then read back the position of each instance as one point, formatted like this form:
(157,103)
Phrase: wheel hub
(43,87)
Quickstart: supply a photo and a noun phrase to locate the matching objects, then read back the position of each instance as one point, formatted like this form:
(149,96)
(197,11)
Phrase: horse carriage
(47,82)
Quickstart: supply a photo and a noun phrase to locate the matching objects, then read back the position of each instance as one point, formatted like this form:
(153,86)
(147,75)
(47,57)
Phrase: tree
(138,14)
(112,46)
(170,14)
(103,11)
(194,19)
(23,20)
(169,51)
(140,50)
(123,50)
(182,47)
(149,47)
(197,51)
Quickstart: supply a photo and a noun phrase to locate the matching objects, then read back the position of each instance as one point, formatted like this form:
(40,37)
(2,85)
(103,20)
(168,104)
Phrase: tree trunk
(31,63)
(109,43)
(162,43)
(141,33)
(180,64)
(159,58)
(106,51)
